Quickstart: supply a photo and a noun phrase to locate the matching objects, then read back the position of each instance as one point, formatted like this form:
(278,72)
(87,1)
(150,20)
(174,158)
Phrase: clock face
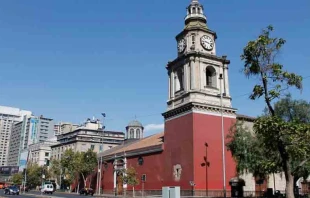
(181,45)
(207,42)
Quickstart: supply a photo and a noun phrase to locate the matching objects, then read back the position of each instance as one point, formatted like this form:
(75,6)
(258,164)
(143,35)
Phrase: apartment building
(64,127)
(40,152)
(9,116)
(31,130)
(89,136)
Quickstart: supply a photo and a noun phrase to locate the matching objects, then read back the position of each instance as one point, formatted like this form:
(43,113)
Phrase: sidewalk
(110,195)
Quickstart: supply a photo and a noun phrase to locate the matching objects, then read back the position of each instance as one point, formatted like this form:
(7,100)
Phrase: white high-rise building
(9,116)
(31,130)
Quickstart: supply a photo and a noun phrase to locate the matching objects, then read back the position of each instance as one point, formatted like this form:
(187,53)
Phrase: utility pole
(222,129)
(25,179)
(102,135)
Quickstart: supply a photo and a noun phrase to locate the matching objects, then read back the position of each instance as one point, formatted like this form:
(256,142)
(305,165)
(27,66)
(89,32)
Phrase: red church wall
(107,182)
(178,149)
(152,167)
(207,128)
(184,144)
(185,139)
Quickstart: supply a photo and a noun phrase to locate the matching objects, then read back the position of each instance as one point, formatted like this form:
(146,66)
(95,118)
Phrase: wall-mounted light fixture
(140,161)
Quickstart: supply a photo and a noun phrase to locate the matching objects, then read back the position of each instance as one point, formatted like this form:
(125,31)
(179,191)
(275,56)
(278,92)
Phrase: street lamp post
(99,168)
(206,164)
(222,129)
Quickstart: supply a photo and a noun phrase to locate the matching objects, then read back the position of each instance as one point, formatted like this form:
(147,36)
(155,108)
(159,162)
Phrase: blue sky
(70,60)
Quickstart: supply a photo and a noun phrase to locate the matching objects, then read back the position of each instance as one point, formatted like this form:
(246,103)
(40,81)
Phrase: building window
(47,154)
(100,148)
(210,77)
(131,133)
(138,133)
(179,80)
(92,147)
(193,39)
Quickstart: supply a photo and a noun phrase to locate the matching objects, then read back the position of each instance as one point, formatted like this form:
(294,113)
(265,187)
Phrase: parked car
(48,189)
(11,190)
(87,191)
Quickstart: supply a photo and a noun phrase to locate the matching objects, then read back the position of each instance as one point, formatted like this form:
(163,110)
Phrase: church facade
(191,151)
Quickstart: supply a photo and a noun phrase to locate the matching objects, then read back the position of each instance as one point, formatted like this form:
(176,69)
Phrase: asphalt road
(38,194)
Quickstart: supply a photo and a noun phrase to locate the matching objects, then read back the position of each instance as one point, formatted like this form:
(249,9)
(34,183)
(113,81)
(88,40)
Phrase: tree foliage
(258,154)
(260,62)
(68,165)
(34,175)
(293,110)
(278,135)
(75,164)
(129,176)
(17,178)
(86,162)
(55,168)
(249,153)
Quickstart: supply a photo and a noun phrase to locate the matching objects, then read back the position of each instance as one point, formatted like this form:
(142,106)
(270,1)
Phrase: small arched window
(138,133)
(131,133)
(194,10)
(210,77)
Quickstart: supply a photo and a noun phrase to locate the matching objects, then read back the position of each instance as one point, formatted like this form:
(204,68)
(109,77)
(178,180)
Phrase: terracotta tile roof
(150,141)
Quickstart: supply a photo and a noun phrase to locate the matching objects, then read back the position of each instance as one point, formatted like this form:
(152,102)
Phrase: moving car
(87,191)
(11,190)
(48,189)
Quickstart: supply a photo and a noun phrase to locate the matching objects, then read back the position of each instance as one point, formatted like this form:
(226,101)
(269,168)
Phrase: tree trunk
(84,180)
(290,186)
(288,176)
(133,191)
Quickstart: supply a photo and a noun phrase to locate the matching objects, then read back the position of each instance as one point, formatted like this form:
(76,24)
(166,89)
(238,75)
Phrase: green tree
(55,168)
(68,164)
(34,175)
(17,178)
(248,152)
(130,177)
(276,134)
(293,110)
(86,162)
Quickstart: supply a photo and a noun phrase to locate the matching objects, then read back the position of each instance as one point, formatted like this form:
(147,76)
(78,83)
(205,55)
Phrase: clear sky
(70,60)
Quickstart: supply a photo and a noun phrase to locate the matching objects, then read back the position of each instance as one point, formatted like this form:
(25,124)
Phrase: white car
(48,189)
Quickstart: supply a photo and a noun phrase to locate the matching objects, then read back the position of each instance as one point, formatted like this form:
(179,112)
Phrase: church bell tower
(199,101)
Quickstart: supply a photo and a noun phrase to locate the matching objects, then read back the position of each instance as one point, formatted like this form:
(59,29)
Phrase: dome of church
(135,123)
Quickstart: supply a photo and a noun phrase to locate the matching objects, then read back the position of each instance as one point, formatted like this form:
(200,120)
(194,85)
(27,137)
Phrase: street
(38,194)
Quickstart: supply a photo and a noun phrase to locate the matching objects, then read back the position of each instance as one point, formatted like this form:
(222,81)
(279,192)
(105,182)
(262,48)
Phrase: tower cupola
(134,130)
(195,12)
